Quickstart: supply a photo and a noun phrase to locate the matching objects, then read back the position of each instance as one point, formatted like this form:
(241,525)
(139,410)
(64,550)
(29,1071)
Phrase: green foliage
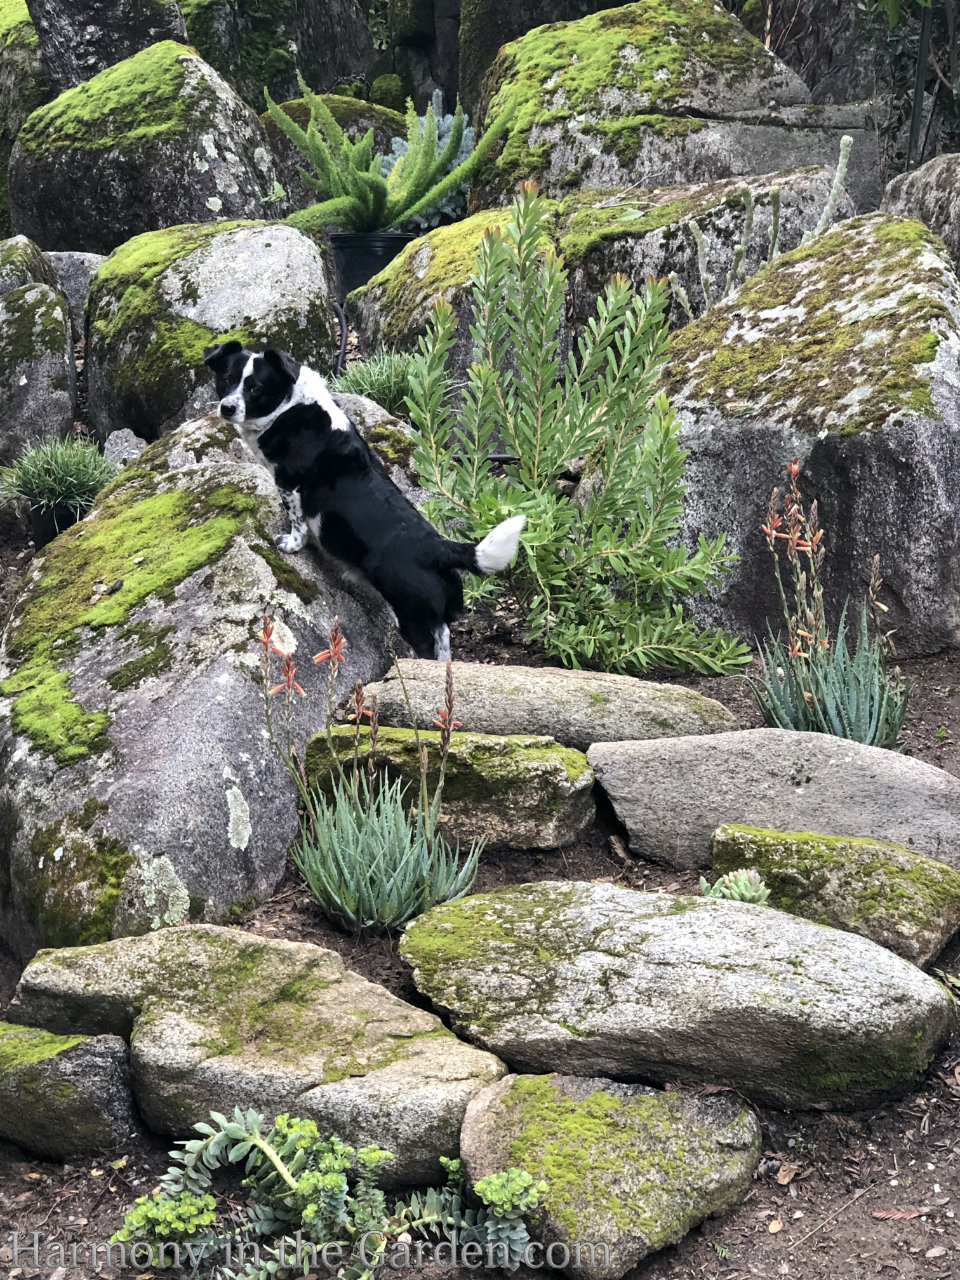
(57,472)
(385,378)
(322,1190)
(348,174)
(809,683)
(373,861)
(387,91)
(601,580)
(740,886)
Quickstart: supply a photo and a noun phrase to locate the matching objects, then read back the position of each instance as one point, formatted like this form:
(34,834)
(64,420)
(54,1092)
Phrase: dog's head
(250,385)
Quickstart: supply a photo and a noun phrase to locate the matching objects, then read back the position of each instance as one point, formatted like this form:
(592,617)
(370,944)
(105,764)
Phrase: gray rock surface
(24,86)
(673,794)
(160,299)
(74,272)
(38,380)
(931,194)
(133,718)
(882,891)
(576,708)
(843,354)
(592,979)
(214,1014)
(63,1096)
(155,141)
(515,792)
(639,1168)
(83,37)
(121,447)
(647,95)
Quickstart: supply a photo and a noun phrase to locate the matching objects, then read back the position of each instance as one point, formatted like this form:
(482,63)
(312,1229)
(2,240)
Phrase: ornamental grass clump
(809,682)
(65,474)
(384,378)
(348,175)
(313,1205)
(601,579)
(370,855)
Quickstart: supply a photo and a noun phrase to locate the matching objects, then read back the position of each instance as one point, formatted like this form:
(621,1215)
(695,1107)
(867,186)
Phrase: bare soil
(837,1197)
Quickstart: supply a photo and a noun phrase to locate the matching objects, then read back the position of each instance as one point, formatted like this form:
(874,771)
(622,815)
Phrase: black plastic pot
(359,255)
(46,522)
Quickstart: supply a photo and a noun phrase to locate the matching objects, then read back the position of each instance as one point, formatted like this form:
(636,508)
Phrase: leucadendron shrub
(601,579)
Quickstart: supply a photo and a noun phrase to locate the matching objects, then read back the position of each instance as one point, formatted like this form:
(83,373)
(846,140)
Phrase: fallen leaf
(119,1164)
(96,1173)
(901,1215)
(775,1226)
(787,1173)
(937,1251)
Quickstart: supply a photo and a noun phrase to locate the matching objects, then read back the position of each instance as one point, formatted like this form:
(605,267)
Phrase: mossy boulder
(161,298)
(22,263)
(353,115)
(24,85)
(880,890)
(636,233)
(254,43)
(627,1168)
(154,141)
(517,791)
(657,92)
(844,354)
(214,1014)
(63,1096)
(131,690)
(931,194)
(672,794)
(38,377)
(592,979)
(577,708)
(86,36)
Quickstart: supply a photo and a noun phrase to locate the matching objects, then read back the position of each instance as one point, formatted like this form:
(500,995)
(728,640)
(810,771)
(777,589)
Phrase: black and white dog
(335,488)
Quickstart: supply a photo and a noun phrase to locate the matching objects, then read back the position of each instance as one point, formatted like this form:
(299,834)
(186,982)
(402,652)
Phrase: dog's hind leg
(296,539)
(441,639)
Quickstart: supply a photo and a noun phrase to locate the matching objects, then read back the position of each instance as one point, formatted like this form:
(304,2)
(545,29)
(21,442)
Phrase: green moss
(875,888)
(26,1046)
(16,27)
(388,91)
(156,658)
(33,325)
(568,69)
(391,444)
(129,104)
(819,337)
(76,879)
(264,49)
(287,577)
(582,1149)
(148,543)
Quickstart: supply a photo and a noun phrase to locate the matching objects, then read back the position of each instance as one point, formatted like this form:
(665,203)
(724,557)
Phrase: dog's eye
(254,388)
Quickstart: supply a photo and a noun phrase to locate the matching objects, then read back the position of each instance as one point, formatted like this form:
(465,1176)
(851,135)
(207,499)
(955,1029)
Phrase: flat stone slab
(576,708)
(516,791)
(220,1017)
(673,794)
(591,979)
(63,1096)
(882,891)
(628,1169)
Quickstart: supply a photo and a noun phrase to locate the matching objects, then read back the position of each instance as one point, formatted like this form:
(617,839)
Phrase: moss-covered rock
(87,36)
(129,686)
(24,85)
(577,708)
(353,115)
(628,1169)
(656,91)
(161,298)
(265,42)
(587,978)
(214,1014)
(63,1096)
(154,141)
(882,891)
(931,194)
(22,263)
(38,378)
(844,354)
(516,791)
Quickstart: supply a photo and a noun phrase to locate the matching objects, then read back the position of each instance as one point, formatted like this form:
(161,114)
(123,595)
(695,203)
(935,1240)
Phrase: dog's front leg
(296,539)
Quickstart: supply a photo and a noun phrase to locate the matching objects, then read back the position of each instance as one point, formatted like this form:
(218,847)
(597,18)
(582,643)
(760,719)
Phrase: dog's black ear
(221,351)
(283,362)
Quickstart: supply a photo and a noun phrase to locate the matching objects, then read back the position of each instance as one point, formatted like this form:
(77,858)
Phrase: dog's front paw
(290,542)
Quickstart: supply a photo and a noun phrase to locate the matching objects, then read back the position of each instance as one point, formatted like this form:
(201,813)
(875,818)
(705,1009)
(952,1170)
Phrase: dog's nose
(227,410)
